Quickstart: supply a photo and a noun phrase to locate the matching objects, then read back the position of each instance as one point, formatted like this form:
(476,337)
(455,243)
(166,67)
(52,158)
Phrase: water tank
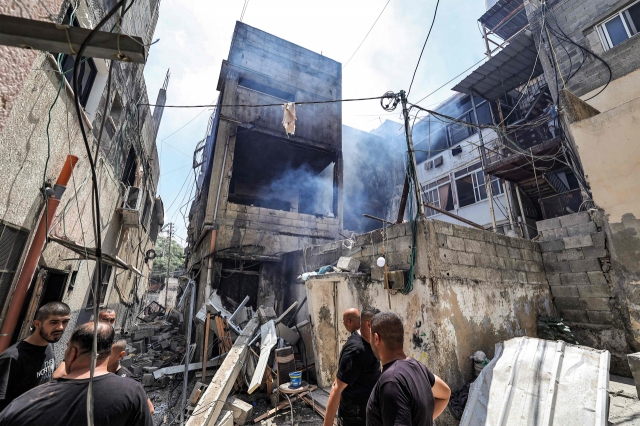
(490,3)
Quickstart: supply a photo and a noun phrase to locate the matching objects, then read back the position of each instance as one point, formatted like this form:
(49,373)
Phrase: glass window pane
(634,14)
(484,113)
(496,187)
(616,30)
(464,187)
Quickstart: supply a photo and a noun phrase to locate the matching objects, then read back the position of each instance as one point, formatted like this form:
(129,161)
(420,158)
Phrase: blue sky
(195,36)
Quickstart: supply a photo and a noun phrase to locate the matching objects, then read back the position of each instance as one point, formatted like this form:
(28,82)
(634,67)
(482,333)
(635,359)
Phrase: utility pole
(412,154)
(166,287)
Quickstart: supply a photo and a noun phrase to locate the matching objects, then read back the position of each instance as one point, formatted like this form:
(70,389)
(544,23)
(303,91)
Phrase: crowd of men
(403,392)
(34,392)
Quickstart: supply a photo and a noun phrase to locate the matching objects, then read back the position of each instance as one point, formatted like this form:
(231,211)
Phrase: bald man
(358,372)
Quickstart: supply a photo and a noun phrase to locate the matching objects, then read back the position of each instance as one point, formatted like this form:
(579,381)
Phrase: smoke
(302,190)
(373,176)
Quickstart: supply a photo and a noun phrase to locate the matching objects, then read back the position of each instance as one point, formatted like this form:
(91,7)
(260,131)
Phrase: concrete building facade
(39,128)
(261,192)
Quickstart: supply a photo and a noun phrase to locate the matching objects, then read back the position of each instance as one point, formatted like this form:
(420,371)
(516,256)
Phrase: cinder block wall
(577,263)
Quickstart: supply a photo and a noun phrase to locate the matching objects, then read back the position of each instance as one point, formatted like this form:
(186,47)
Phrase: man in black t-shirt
(407,393)
(118,351)
(31,362)
(117,401)
(358,371)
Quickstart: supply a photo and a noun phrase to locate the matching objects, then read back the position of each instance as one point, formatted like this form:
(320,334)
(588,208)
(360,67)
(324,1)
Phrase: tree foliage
(160,262)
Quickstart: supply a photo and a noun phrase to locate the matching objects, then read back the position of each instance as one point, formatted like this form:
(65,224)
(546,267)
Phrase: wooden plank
(403,200)
(205,348)
(212,402)
(269,340)
(52,37)
(213,362)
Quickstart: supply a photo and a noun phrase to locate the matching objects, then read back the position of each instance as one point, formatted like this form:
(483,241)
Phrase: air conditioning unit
(438,162)
(130,209)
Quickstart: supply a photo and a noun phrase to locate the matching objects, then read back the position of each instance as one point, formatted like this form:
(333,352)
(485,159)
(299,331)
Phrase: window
(146,212)
(439,194)
(471,185)
(620,27)
(104,285)
(12,242)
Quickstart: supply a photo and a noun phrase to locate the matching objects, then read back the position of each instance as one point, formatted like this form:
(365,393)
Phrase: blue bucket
(296,379)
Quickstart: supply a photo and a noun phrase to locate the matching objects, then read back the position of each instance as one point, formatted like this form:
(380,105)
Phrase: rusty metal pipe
(33,256)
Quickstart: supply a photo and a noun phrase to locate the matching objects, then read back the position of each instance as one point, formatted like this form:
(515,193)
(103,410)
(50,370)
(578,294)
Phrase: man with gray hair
(406,393)
(358,371)
(117,401)
(31,362)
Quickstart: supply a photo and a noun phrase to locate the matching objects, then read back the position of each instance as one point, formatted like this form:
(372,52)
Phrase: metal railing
(561,204)
(521,140)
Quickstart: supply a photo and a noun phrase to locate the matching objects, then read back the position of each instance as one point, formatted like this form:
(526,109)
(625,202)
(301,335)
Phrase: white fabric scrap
(289,119)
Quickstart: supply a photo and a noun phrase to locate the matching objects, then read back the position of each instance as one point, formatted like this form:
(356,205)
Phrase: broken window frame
(624,16)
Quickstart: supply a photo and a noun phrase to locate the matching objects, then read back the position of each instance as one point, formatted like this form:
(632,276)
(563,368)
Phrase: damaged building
(40,141)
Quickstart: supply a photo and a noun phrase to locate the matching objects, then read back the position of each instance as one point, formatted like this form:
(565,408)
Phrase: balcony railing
(522,140)
(561,204)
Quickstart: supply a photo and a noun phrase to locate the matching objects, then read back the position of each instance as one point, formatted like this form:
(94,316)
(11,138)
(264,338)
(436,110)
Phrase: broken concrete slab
(211,403)
(148,379)
(225,419)
(539,381)
(348,264)
(634,365)
(242,411)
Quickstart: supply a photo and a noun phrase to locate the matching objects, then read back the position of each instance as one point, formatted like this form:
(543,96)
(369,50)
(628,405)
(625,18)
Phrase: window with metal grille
(12,242)
(438,193)
(104,285)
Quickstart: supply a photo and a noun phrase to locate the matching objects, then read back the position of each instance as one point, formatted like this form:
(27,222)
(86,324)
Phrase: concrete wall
(41,128)
(472,289)
(578,19)
(576,255)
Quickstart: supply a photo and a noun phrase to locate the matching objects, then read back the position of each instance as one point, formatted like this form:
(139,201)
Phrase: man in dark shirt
(31,362)
(117,401)
(118,351)
(407,393)
(358,371)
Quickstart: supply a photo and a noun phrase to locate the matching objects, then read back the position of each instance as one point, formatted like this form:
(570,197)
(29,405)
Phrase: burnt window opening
(129,173)
(278,174)
(12,243)
(262,88)
(102,287)
(238,279)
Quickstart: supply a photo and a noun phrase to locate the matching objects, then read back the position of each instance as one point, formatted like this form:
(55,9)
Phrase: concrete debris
(634,365)
(242,411)
(551,328)
(348,264)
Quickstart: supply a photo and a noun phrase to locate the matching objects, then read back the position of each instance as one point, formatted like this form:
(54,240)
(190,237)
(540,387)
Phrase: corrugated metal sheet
(540,382)
(505,17)
(508,69)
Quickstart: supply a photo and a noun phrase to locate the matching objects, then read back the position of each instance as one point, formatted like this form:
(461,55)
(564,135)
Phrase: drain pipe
(33,256)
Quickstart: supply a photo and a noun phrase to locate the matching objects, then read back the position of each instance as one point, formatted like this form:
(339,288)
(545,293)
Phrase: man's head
(351,319)
(387,335)
(118,351)
(78,353)
(51,321)
(365,322)
(107,315)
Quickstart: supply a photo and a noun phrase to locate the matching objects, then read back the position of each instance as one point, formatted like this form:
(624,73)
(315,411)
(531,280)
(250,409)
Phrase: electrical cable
(367,35)
(435,13)
(95,201)
(264,105)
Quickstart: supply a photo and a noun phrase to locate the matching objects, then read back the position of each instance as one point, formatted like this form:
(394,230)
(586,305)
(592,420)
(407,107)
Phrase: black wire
(368,32)
(96,197)
(264,105)
(435,13)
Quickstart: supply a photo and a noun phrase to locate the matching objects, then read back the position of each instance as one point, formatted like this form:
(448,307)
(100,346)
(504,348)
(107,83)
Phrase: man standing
(406,393)
(107,315)
(117,401)
(358,371)
(118,351)
(31,362)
